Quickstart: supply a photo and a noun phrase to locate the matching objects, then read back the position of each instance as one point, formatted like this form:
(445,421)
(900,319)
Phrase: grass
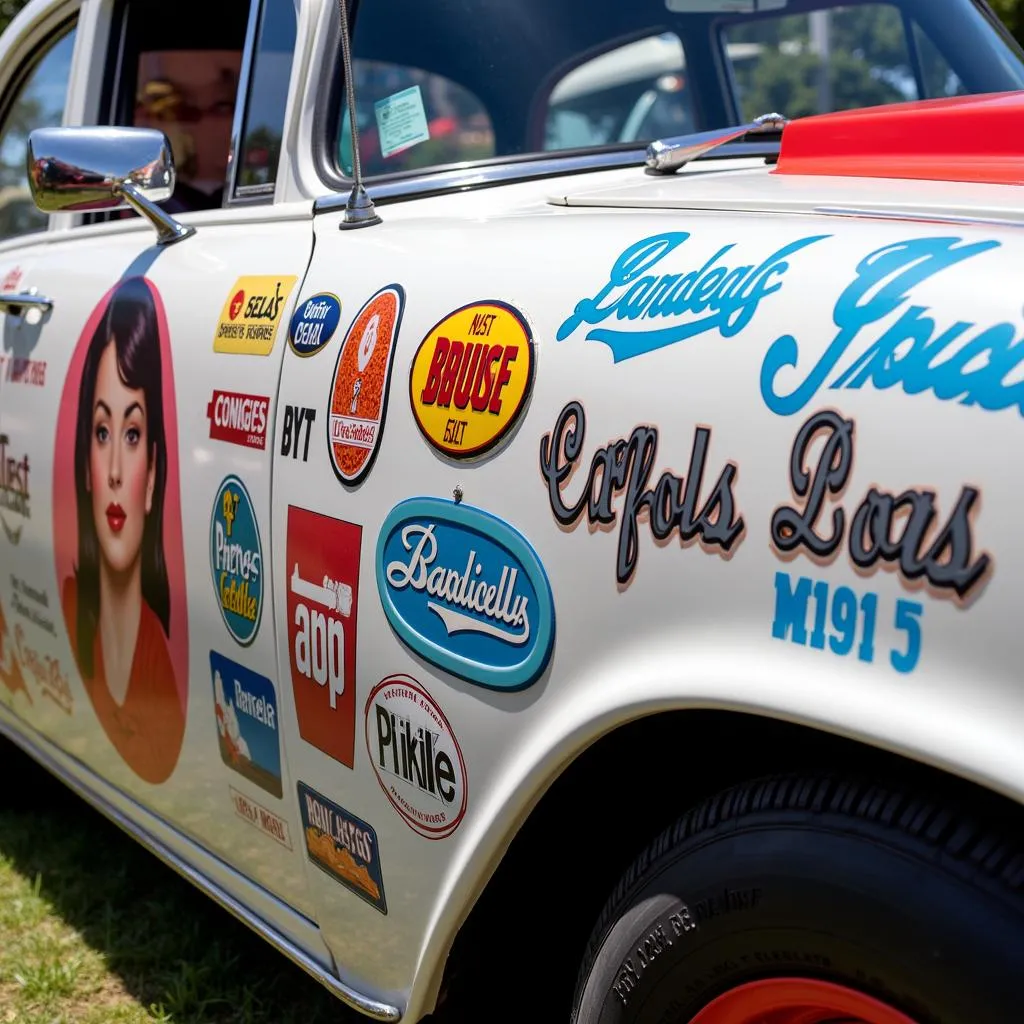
(93,929)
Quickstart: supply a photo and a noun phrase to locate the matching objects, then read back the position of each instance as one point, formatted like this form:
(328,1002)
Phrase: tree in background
(8,9)
(1012,14)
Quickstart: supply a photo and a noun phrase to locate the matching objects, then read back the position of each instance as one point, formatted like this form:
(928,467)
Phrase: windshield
(462,80)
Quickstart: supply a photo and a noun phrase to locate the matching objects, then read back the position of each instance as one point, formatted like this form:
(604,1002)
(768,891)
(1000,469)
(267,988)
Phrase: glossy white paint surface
(692,629)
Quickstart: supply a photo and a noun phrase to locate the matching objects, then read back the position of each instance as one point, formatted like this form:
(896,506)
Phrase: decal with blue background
(236,560)
(314,324)
(466,591)
(343,846)
(245,706)
(721,295)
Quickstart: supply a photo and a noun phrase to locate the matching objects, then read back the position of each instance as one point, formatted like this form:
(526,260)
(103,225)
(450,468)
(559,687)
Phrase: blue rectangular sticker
(343,846)
(401,121)
(246,708)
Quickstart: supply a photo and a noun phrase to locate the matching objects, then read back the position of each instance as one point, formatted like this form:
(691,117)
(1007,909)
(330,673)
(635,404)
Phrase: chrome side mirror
(101,168)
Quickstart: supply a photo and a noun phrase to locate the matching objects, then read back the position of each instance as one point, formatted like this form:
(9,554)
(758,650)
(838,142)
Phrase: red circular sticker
(236,305)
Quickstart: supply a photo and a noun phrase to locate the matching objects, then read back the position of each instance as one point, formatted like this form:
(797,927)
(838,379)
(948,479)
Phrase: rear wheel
(813,901)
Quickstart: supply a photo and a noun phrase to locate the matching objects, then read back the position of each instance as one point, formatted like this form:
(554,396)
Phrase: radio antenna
(359,210)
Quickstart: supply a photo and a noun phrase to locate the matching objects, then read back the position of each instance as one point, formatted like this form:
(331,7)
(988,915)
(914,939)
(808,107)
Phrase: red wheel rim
(797,1001)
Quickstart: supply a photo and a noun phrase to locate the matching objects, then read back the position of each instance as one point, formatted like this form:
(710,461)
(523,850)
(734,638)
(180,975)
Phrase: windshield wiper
(666,156)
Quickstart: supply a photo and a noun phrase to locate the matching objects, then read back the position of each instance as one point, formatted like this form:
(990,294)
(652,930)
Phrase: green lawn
(95,929)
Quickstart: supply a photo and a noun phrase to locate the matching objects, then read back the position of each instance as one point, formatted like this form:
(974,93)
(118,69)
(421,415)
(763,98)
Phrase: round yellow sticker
(470,378)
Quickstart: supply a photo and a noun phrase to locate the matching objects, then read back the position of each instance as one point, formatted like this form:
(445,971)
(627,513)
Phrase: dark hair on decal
(130,325)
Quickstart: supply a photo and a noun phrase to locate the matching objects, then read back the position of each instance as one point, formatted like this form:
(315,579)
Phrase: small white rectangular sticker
(401,121)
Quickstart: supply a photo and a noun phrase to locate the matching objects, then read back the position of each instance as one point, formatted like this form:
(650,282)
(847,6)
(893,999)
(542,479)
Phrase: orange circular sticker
(470,378)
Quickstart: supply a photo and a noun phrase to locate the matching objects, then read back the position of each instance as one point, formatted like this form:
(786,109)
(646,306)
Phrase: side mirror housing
(104,168)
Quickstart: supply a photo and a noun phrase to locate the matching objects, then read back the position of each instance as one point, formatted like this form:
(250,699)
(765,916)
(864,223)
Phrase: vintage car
(559,564)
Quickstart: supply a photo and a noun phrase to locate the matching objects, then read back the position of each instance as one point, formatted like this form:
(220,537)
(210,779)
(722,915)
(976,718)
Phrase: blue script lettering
(722,298)
(914,353)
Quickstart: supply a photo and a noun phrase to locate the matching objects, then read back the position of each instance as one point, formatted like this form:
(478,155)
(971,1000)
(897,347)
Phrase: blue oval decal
(314,324)
(466,591)
(236,560)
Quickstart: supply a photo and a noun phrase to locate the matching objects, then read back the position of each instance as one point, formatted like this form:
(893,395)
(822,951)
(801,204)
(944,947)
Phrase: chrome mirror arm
(168,230)
(666,156)
(102,167)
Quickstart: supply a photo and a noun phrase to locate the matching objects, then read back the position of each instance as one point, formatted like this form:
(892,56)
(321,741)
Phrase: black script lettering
(625,466)
(791,528)
(896,529)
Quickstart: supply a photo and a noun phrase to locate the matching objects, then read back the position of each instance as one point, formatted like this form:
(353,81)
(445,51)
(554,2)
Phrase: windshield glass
(461,80)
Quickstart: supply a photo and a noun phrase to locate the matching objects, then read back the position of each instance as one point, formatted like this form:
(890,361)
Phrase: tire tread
(941,832)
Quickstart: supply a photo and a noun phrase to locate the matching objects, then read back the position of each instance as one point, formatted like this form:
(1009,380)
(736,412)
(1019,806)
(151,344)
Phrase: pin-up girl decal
(125,629)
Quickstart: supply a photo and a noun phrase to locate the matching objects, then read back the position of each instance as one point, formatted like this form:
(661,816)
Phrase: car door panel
(173,699)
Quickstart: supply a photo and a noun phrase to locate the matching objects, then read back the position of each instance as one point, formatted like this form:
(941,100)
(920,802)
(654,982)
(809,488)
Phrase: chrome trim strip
(935,218)
(666,156)
(364,1004)
(462,179)
(241,106)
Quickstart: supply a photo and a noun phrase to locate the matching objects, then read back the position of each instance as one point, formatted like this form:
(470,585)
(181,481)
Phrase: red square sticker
(323,601)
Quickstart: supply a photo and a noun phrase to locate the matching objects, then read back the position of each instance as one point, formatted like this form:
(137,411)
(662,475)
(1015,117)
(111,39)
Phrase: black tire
(895,896)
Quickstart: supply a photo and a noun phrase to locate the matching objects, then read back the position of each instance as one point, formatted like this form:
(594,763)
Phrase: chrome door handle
(30,304)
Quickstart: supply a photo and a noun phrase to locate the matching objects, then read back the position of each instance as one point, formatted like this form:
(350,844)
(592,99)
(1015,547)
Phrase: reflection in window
(190,96)
(39,104)
(268,95)
(836,59)
(637,91)
(418,119)
(939,78)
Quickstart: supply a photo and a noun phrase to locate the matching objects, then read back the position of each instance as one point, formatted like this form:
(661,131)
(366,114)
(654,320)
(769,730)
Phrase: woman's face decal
(122,471)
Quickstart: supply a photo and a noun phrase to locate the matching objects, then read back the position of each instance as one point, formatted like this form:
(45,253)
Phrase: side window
(38,102)
(835,59)
(637,91)
(181,75)
(410,118)
(263,124)
(939,78)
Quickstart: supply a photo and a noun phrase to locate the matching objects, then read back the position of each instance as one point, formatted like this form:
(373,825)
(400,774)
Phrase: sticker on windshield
(401,121)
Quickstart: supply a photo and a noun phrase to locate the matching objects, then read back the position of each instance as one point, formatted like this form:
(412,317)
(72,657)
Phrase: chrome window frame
(448,180)
(231,198)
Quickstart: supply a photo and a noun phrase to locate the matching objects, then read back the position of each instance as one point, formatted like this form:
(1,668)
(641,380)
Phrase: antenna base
(359,210)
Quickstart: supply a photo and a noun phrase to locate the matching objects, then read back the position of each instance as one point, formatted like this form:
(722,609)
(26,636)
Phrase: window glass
(268,96)
(939,78)
(181,76)
(409,118)
(191,98)
(38,103)
(635,91)
(833,59)
(459,80)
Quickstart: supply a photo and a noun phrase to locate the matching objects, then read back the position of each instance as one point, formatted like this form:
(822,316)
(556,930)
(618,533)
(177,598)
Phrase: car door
(35,94)
(143,588)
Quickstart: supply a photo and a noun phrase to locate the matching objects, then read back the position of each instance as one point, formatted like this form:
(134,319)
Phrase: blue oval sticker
(314,324)
(466,591)
(236,560)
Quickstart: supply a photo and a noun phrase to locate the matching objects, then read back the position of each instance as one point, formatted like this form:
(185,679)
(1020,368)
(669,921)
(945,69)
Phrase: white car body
(677,625)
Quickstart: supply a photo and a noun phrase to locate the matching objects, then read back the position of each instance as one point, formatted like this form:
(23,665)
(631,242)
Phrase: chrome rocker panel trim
(37,749)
